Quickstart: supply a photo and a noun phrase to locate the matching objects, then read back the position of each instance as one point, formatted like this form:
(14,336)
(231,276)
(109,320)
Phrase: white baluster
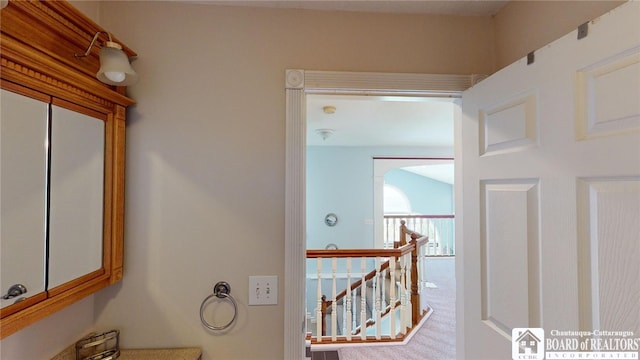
(422,275)
(334,303)
(347,305)
(409,306)
(403,295)
(343,328)
(421,283)
(386,233)
(363,301)
(319,302)
(354,303)
(437,240)
(377,304)
(385,300)
(451,237)
(445,235)
(424,263)
(392,295)
(436,235)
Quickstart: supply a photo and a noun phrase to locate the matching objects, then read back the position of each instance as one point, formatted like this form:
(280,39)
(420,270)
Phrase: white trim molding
(298,83)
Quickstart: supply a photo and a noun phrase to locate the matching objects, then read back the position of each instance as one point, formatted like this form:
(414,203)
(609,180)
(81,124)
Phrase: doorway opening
(299,84)
(356,146)
(352,141)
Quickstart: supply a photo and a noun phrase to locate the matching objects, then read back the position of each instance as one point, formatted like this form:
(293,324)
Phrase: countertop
(160,354)
(143,354)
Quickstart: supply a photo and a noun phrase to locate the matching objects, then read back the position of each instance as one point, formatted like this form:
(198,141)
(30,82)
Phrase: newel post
(403,235)
(415,295)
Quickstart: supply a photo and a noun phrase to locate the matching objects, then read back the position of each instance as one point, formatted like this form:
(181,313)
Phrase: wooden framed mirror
(77,229)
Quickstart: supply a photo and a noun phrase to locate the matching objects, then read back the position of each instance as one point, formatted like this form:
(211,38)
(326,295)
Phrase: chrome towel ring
(221,290)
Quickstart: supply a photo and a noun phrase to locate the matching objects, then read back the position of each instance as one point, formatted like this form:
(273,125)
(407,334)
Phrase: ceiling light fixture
(329,109)
(115,68)
(324,133)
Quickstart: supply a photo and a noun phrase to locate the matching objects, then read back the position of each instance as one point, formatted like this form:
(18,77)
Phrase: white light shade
(115,68)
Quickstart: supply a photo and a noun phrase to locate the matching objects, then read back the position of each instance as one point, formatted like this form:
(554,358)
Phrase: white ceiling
(380,121)
(441,172)
(448,7)
(385,121)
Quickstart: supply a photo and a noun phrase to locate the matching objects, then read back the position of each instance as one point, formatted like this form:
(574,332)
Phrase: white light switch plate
(263,290)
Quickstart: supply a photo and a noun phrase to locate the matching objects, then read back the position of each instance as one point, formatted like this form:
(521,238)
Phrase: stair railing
(393,287)
(418,258)
(439,228)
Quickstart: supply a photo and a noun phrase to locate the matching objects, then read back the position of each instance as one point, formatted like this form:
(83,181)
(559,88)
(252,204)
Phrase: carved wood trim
(35,70)
(117,212)
(55,28)
(37,45)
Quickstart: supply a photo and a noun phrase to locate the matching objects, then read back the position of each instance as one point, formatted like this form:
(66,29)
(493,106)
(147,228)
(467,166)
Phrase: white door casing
(549,167)
(298,83)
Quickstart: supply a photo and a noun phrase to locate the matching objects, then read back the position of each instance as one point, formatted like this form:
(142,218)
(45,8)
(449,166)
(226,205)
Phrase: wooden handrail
(440,229)
(398,251)
(388,308)
(371,322)
(353,253)
(404,231)
(385,265)
(356,284)
(422,240)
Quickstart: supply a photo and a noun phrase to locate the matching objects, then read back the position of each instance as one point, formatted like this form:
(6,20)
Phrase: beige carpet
(436,340)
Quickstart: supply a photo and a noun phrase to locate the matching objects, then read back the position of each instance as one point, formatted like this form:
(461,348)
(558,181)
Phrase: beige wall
(90,8)
(525,26)
(205,157)
(205,165)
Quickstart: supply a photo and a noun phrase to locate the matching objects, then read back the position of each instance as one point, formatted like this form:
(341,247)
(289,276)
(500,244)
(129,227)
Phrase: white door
(550,174)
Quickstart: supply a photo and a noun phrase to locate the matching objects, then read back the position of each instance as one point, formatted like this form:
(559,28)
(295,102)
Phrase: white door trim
(298,83)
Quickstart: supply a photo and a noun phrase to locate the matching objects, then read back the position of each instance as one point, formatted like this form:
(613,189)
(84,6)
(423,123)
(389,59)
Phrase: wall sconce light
(115,68)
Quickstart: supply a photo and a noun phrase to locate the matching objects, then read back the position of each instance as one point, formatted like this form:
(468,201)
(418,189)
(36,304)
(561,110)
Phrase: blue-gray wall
(340,181)
(427,196)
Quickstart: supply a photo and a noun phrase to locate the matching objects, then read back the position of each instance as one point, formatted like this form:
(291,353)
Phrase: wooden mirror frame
(37,45)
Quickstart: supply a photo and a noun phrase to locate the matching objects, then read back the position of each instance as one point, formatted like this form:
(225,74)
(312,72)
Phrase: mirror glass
(51,195)
(76,200)
(23,131)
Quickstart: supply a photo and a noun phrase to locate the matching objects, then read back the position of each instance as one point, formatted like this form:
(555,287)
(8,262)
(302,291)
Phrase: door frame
(299,83)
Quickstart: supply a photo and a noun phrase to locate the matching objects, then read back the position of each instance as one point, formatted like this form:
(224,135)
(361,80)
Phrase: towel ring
(221,290)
